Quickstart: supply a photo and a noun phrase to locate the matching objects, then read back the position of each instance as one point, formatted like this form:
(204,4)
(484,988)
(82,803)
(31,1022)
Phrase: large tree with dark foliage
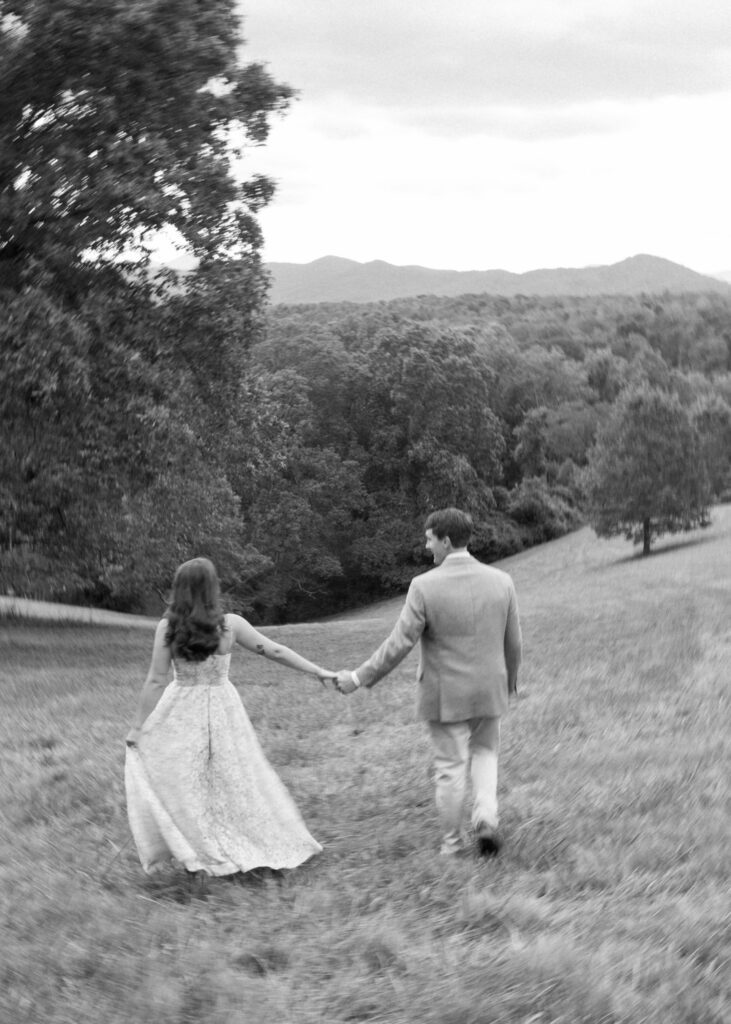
(646,474)
(119,119)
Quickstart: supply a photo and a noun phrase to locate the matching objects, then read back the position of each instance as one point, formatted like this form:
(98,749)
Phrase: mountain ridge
(337,279)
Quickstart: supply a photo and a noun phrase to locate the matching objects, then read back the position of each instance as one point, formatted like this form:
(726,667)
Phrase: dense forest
(493,404)
(145,421)
(301,447)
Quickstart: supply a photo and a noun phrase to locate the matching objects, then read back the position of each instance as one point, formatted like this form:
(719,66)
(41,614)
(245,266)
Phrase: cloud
(497,133)
(530,124)
(471,52)
(480,201)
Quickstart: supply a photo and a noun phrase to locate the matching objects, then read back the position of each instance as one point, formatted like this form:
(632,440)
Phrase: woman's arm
(155,683)
(250,638)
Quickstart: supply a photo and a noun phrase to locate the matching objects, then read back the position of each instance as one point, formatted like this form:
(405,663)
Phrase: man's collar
(459,553)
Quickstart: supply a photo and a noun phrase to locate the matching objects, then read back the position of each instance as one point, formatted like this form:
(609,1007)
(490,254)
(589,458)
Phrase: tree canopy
(646,475)
(301,447)
(119,400)
(118,119)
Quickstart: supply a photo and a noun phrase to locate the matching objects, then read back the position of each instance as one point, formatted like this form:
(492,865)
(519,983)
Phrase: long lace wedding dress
(200,791)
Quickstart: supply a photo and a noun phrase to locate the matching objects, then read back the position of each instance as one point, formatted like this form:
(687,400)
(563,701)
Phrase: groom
(465,614)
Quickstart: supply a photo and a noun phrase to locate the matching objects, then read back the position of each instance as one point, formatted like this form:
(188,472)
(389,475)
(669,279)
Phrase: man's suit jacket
(466,616)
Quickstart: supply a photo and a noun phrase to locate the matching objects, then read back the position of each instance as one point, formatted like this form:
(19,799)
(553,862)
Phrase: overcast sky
(513,134)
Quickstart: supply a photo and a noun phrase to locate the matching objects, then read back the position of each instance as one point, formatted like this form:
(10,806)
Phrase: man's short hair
(452,523)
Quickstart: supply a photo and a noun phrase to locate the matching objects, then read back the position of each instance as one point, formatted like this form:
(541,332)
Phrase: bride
(200,791)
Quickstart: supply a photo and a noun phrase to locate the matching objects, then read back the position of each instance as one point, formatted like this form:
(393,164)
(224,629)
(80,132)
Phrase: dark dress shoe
(488,842)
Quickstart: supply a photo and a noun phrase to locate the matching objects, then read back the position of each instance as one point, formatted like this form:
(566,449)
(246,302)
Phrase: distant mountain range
(333,279)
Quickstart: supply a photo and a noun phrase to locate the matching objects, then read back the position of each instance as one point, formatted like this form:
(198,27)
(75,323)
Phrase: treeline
(490,403)
(143,422)
(301,448)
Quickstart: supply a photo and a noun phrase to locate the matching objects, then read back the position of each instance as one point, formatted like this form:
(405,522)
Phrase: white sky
(513,134)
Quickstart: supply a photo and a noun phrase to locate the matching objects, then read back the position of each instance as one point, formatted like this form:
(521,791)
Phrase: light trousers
(461,747)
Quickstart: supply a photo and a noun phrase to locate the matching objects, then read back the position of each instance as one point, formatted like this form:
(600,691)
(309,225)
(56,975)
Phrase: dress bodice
(213,671)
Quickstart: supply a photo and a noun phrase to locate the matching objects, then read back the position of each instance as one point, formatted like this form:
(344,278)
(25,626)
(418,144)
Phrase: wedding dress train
(200,791)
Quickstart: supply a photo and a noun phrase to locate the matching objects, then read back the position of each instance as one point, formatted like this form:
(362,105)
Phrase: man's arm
(404,635)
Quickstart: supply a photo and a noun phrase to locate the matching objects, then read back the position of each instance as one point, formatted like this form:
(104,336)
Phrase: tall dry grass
(609,902)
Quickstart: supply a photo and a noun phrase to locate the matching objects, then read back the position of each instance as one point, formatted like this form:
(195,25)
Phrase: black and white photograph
(365,512)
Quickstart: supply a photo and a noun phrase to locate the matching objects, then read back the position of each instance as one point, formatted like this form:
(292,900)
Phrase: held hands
(341,681)
(327,677)
(344,682)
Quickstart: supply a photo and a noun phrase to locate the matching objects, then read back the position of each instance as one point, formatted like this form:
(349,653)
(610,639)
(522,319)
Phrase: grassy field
(609,902)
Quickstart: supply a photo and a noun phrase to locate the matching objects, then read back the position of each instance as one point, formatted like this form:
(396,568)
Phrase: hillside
(333,279)
(607,904)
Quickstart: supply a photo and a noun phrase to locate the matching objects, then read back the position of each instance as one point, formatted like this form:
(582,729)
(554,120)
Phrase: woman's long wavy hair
(194,613)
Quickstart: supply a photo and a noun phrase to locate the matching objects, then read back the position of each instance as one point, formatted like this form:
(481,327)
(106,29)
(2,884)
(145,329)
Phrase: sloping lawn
(609,902)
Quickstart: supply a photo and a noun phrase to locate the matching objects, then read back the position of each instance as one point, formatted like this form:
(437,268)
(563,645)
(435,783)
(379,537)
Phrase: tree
(646,475)
(712,419)
(438,386)
(105,447)
(118,120)
(297,497)
(606,374)
(530,435)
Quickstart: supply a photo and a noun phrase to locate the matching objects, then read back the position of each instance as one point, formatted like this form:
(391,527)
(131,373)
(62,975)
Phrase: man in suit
(465,614)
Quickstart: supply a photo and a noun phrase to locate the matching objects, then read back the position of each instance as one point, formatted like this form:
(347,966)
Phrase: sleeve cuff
(356,680)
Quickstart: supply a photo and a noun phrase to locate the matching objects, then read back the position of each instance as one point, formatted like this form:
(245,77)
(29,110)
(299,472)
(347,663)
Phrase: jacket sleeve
(404,636)
(513,642)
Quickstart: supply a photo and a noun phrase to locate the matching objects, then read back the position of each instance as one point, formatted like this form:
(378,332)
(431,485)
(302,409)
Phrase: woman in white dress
(200,791)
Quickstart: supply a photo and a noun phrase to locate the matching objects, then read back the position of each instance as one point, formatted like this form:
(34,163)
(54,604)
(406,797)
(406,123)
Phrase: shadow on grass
(186,886)
(665,549)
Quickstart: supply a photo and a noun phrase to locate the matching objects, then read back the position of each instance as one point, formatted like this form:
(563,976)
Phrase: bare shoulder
(238,626)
